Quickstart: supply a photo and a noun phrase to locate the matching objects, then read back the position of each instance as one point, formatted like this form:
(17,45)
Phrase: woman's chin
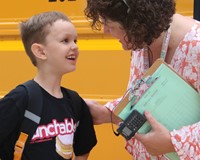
(125,47)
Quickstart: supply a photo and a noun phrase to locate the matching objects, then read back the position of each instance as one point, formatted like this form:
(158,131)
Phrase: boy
(50,42)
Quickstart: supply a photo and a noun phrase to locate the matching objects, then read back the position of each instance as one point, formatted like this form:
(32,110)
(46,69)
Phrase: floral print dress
(186,61)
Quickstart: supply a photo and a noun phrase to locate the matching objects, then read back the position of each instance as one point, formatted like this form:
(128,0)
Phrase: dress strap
(165,44)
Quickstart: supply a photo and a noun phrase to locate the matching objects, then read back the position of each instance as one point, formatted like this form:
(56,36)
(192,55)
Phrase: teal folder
(170,99)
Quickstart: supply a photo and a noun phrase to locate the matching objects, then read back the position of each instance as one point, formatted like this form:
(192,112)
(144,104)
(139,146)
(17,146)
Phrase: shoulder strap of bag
(32,116)
(77,103)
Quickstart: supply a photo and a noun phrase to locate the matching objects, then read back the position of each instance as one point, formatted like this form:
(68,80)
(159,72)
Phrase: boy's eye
(65,40)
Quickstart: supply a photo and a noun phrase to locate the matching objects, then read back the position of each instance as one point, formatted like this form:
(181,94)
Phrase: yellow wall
(102,69)
(185,7)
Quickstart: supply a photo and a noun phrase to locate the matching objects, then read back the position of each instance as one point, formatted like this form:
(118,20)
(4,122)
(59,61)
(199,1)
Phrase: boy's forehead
(61,20)
(61,26)
(58,23)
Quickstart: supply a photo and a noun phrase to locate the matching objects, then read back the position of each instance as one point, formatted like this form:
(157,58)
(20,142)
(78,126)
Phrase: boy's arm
(82,157)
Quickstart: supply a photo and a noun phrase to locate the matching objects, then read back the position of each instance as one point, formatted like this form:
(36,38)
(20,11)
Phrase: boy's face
(60,47)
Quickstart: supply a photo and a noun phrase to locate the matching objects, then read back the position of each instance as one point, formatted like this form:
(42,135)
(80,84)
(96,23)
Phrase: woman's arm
(100,113)
(186,141)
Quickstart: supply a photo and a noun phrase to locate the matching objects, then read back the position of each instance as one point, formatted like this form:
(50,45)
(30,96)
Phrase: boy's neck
(52,86)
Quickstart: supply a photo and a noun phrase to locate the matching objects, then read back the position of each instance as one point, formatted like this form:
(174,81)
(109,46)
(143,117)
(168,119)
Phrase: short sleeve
(85,137)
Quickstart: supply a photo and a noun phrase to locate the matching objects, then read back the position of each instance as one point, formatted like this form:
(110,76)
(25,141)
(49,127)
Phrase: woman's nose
(106,29)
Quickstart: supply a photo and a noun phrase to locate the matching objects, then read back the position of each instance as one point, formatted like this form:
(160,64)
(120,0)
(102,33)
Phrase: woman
(152,30)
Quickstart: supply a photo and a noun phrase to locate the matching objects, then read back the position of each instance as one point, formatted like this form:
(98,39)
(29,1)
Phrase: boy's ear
(38,50)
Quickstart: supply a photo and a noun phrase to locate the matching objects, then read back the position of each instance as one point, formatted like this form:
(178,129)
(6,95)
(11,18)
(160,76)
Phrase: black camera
(131,124)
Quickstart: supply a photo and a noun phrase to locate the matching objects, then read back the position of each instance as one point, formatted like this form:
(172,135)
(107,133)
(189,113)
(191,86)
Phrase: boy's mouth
(71,57)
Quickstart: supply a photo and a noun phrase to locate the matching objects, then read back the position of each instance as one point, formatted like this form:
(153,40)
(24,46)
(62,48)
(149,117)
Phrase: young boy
(50,42)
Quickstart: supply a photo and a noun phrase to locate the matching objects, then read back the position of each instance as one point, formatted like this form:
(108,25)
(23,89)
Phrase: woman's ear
(38,51)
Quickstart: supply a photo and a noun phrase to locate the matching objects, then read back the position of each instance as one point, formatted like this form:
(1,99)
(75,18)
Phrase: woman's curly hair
(142,20)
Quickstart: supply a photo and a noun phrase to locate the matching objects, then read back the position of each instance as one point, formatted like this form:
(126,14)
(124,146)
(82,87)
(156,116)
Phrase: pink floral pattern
(186,62)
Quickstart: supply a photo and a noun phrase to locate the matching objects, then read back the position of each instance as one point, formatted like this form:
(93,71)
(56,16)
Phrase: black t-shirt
(58,135)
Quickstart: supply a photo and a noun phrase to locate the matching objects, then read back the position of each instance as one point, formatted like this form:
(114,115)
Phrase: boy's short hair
(36,28)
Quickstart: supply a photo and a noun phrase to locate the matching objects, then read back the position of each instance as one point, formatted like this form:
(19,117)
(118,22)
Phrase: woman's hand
(100,113)
(157,141)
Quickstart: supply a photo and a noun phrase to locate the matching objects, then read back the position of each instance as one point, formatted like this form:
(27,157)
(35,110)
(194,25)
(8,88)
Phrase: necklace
(165,44)
(163,52)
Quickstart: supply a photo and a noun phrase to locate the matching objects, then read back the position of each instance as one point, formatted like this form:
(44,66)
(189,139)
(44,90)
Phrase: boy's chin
(70,70)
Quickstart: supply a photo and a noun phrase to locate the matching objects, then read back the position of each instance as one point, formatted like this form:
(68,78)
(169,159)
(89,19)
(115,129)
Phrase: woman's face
(117,31)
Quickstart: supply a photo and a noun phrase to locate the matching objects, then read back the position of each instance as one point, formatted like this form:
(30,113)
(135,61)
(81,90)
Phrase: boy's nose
(74,46)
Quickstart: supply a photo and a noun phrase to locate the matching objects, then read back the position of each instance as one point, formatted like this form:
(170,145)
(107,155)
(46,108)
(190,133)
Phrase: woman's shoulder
(182,22)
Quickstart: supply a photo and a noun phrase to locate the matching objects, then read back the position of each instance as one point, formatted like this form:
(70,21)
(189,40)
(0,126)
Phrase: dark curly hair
(142,20)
